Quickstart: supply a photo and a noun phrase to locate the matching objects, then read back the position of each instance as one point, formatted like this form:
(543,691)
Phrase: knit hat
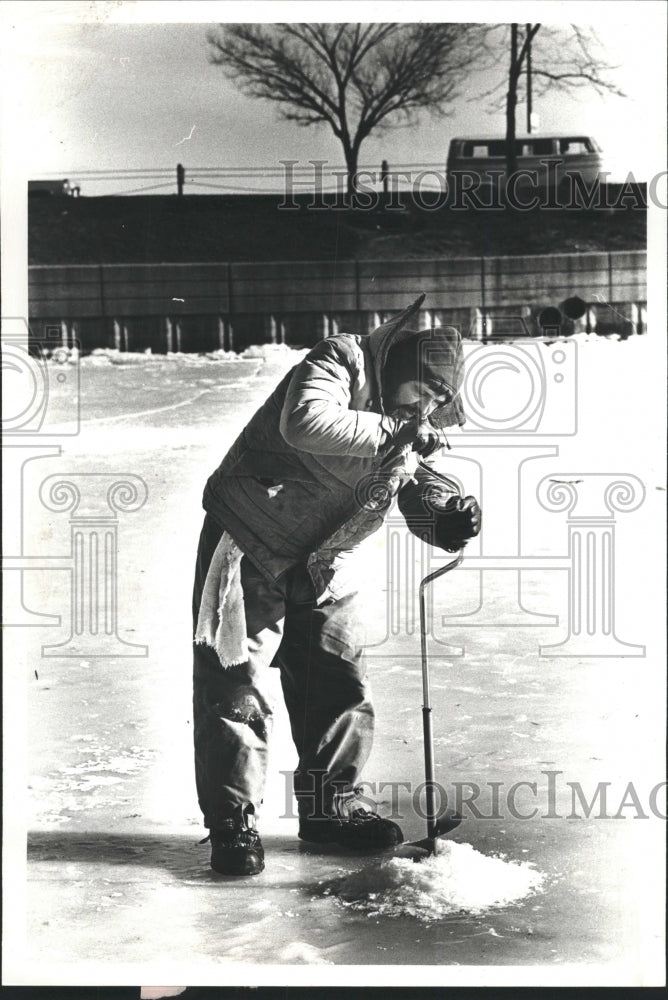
(441,357)
(441,360)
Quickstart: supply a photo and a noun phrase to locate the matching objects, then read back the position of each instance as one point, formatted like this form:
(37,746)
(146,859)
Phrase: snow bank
(267,351)
(460,879)
(111,355)
(62,355)
(221,355)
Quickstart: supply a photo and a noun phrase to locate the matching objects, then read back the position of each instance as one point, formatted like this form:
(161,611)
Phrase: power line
(150,172)
(153,187)
(308,177)
(227,187)
(111,170)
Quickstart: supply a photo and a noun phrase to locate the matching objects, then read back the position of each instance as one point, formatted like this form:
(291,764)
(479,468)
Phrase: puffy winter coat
(314,471)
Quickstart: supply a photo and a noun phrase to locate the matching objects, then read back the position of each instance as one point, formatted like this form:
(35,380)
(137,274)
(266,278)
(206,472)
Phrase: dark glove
(459,520)
(438,515)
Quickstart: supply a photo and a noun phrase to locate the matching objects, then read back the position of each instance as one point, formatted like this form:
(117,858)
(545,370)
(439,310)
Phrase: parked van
(550,158)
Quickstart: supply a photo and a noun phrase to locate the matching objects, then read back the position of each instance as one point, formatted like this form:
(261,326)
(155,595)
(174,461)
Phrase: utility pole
(528,79)
(180,178)
(511,104)
(384,176)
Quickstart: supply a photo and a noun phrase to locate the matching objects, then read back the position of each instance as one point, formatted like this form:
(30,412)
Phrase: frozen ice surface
(457,879)
(112,805)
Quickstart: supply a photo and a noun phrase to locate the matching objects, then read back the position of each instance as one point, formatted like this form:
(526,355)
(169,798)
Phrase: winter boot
(236,849)
(350,824)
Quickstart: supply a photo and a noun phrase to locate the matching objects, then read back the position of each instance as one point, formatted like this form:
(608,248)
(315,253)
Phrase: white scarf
(221,622)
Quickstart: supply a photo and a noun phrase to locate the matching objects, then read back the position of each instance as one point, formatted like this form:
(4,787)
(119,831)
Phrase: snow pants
(317,648)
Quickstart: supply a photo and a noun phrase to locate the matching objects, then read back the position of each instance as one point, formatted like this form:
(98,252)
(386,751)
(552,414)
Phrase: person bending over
(312,474)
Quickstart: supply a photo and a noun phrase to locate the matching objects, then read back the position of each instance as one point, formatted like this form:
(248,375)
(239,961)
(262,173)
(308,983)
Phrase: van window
(540,147)
(575,147)
(497,148)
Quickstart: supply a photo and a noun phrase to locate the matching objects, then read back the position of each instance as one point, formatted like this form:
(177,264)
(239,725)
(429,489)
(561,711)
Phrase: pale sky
(101,95)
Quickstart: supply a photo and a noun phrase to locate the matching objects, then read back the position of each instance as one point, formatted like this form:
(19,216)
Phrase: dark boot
(236,849)
(350,824)
(363,830)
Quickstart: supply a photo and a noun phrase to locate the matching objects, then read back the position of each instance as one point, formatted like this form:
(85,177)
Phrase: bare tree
(559,58)
(356,78)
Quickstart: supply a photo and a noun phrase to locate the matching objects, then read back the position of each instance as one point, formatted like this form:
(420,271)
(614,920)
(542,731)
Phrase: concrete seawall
(201,307)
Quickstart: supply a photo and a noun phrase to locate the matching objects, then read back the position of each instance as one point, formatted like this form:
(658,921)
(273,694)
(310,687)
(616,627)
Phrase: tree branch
(357,78)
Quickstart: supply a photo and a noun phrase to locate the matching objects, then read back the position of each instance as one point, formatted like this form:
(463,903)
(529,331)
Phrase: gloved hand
(459,520)
(419,435)
(434,512)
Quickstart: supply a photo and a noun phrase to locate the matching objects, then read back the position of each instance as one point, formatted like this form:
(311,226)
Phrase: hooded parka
(314,471)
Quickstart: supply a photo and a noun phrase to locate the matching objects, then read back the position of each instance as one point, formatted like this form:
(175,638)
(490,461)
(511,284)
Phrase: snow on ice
(111,355)
(458,879)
